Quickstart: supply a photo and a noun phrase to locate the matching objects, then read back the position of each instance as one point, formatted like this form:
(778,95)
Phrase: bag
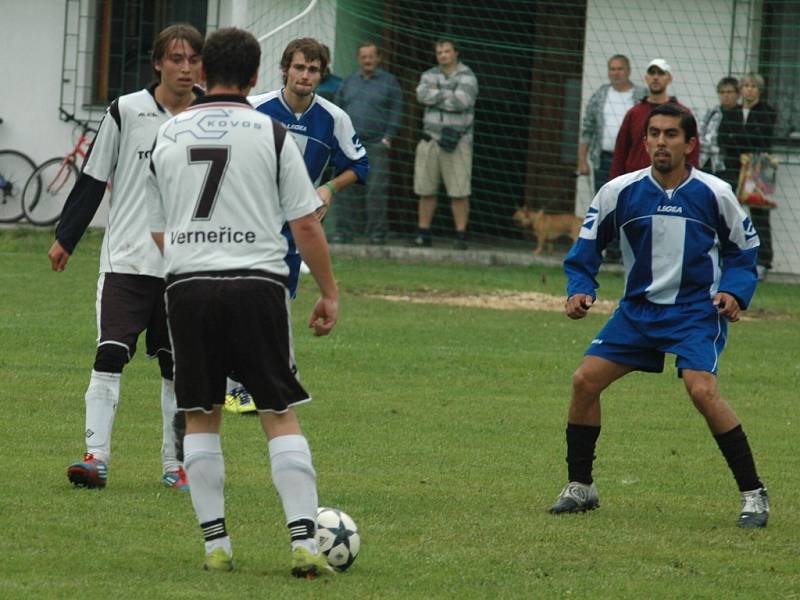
(449,139)
(757,179)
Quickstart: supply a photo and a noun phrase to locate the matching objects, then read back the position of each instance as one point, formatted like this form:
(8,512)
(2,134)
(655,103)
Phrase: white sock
(102,397)
(231,385)
(294,476)
(169,406)
(205,469)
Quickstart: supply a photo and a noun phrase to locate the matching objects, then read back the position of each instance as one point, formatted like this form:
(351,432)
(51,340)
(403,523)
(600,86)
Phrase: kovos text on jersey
(223,236)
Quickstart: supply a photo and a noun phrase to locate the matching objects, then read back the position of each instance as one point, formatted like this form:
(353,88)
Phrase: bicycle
(49,185)
(15,169)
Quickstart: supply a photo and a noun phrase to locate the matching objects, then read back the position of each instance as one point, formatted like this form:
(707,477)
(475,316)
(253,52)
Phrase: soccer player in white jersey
(325,135)
(689,252)
(225,179)
(130,289)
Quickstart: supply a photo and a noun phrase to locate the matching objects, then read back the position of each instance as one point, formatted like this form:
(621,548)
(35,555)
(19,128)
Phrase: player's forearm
(310,240)
(344,179)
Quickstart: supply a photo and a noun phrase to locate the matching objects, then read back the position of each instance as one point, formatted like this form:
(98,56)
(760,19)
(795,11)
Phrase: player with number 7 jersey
(232,223)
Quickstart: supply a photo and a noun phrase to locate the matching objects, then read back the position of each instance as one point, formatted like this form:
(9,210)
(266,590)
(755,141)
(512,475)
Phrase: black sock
(581,441)
(302,529)
(461,236)
(734,447)
(424,233)
(213,530)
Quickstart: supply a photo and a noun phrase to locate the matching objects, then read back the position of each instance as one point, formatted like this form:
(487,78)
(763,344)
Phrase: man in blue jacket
(689,253)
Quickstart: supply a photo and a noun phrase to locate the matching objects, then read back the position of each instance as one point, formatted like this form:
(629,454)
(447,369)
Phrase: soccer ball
(337,537)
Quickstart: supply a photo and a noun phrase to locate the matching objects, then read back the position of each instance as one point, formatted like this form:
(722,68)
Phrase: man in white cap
(630,153)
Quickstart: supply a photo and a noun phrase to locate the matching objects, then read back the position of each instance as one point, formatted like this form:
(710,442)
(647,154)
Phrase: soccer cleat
(239,400)
(89,472)
(755,509)
(176,480)
(576,498)
(218,560)
(310,566)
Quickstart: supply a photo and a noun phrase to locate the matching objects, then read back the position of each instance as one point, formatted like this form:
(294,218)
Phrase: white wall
(32,35)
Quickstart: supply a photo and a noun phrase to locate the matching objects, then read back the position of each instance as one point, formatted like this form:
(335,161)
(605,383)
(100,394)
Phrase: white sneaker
(576,498)
(755,509)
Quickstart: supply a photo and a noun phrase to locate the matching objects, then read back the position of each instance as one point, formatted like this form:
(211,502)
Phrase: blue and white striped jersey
(324,133)
(678,246)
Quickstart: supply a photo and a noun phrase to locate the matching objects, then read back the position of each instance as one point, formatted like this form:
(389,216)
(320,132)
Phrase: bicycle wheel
(15,169)
(47,189)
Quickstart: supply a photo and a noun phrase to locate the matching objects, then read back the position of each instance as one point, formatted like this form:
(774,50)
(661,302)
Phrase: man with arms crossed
(448,92)
(324,134)
(130,290)
(225,179)
(689,253)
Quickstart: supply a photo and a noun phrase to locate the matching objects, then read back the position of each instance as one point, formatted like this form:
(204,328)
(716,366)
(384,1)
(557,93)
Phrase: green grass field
(440,429)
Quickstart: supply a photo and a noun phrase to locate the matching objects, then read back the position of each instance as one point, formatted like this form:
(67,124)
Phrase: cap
(661,64)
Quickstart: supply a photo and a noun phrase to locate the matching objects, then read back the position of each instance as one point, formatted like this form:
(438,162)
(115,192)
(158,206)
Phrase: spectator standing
(372,98)
(630,154)
(448,93)
(749,129)
(330,83)
(603,117)
(712,158)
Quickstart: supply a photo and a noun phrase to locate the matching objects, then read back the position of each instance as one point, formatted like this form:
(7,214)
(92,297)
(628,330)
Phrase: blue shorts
(293,260)
(640,333)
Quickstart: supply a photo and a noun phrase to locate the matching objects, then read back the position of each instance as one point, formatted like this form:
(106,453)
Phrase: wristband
(331,188)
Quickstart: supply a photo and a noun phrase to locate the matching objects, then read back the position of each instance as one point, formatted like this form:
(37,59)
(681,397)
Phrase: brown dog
(547,227)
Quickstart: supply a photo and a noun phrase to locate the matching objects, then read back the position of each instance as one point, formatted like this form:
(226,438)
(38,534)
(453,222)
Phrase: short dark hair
(728,82)
(178,31)
(670,109)
(310,48)
(442,41)
(368,44)
(231,57)
(621,57)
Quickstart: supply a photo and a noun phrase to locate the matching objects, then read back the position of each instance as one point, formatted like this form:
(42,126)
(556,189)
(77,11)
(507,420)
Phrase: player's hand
(727,306)
(386,142)
(323,316)
(327,197)
(58,257)
(578,305)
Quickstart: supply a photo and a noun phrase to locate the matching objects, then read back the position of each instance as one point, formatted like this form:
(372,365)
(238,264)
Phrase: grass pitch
(439,428)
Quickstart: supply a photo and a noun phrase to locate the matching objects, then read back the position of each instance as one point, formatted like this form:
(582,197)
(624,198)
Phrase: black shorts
(228,322)
(126,306)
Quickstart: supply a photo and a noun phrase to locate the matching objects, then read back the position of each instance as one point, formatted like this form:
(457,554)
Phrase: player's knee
(703,392)
(110,358)
(166,365)
(583,385)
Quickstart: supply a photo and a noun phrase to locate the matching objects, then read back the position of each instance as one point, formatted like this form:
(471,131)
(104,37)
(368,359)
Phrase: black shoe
(421,242)
(460,245)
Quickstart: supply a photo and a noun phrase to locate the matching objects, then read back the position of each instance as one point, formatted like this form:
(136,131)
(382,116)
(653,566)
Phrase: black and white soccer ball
(337,537)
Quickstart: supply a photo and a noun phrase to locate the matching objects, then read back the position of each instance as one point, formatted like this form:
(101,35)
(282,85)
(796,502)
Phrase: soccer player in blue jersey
(325,135)
(689,253)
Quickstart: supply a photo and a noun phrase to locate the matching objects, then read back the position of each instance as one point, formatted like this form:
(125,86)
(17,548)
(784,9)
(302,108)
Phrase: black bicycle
(15,169)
